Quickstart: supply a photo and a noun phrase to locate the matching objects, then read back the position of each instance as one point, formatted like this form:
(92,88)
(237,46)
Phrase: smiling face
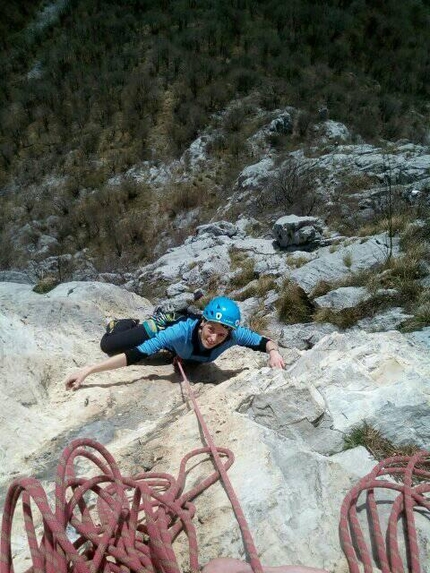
(212,334)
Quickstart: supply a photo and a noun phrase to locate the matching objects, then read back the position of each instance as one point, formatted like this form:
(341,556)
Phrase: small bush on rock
(421,311)
(45,285)
(293,304)
(372,439)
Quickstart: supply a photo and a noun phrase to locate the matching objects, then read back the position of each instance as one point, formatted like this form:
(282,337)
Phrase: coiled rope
(408,473)
(122,524)
(128,525)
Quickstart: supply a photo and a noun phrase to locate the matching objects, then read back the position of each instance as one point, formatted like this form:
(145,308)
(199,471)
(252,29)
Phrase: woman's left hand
(276,360)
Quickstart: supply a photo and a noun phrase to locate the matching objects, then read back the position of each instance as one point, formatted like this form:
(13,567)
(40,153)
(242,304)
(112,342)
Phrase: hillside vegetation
(90,88)
(103,71)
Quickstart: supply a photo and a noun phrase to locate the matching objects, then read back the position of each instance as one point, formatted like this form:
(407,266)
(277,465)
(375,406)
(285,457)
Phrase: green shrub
(45,285)
(347,259)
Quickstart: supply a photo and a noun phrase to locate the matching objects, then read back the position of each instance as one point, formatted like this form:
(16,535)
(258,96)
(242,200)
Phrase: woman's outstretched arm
(75,380)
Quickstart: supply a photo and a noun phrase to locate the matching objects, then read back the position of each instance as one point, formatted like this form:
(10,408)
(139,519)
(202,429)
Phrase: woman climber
(198,339)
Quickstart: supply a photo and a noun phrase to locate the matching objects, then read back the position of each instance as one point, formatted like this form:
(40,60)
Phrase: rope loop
(409,477)
(119,524)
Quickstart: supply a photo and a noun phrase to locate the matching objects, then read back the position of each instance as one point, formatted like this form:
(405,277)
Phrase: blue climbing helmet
(223,310)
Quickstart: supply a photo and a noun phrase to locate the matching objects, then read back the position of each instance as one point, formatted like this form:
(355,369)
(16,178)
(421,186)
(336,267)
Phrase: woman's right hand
(74,380)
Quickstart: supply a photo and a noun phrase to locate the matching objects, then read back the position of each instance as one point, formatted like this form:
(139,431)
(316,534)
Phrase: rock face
(334,264)
(293,231)
(304,336)
(37,346)
(341,298)
(286,428)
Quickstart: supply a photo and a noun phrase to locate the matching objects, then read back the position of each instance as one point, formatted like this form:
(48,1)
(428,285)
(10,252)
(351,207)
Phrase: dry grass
(293,304)
(265,284)
(45,285)
(397,224)
(211,290)
(296,262)
(244,266)
(347,259)
(356,182)
(348,317)
(321,288)
(421,311)
(258,288)
(341,318)
(417,233)
(375,443)
(402,273)
(259,323)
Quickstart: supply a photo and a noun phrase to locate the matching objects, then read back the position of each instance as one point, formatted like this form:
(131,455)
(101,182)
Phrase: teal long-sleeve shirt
(182,339)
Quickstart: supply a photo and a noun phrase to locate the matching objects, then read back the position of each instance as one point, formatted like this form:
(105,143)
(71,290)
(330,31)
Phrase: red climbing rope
(411,494)
(246,534)
(122,524)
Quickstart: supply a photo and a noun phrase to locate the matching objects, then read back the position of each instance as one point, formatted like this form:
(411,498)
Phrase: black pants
(124,336)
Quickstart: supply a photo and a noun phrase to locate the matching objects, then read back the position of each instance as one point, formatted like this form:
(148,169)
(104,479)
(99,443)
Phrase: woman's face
(212,334)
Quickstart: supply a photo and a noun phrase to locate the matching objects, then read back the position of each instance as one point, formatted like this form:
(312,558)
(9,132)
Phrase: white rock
(343,297)
(282,426)
(332,265)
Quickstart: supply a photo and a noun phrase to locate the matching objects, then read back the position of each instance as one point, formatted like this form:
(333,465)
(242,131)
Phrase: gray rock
(16,277)
(176,289)
(380,378)
(113,278)
(286,406)
(217,229)
(381,322)
(332,265)
(46,245)
(420,337)
(305,336)
(53,223)
(217,267)
(296,413)
(253,176)
(177,302)
(290,421)
(332,132)
(294,231)
(186,219)
(343,297)
(282,124)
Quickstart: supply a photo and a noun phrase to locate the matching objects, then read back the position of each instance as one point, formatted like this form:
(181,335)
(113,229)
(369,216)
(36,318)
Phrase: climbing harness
(408,473)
